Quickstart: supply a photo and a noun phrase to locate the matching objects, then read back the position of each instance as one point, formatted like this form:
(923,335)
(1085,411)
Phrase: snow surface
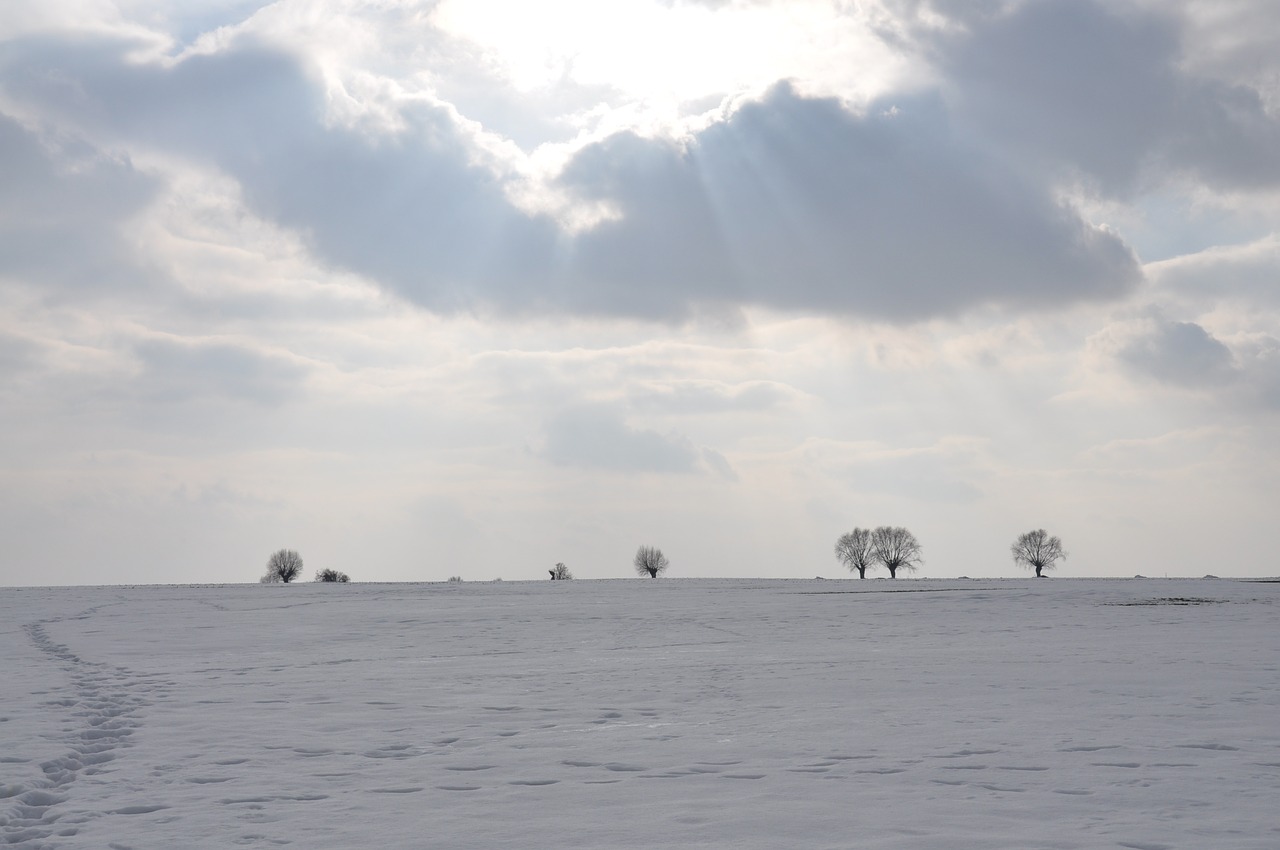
(1065,713)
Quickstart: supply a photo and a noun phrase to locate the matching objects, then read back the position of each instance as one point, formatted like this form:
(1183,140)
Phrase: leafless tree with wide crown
(650,561)
(1037,550)
(855,552)
(895,548)
(283,566)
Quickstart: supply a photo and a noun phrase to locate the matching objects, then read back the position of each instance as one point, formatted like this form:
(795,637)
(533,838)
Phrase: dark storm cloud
(793,202)
(597,437)
(175,370)
(62,203)
(18,355)
(1179,353)
(797,203)
(411,211)
(1102,88)
(1245,375)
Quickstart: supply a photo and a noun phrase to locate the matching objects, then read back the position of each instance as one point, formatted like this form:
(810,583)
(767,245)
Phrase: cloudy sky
(424,288)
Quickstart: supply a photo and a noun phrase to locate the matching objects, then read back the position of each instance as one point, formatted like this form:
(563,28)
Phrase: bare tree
(560,573)
(332,575)
(1037,549)
(896,548)
(284,565)
(855,552)
(650,561)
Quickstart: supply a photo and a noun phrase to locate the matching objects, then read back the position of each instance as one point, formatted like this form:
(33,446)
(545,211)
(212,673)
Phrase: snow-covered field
(1067,713)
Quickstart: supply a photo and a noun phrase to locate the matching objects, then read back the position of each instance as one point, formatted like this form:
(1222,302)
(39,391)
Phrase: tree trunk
(893,571)
(1039,567)
(862,572)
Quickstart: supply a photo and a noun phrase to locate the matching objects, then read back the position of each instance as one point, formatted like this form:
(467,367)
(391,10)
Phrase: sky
(471,287)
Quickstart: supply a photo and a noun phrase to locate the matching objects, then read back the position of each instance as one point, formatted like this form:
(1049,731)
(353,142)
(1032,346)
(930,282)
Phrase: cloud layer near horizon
(950,251)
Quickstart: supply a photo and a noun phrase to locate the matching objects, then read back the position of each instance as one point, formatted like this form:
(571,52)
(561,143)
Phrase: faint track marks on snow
(103,704)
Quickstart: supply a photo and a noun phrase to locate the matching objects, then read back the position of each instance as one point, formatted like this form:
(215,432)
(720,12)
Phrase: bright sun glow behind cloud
(665,55)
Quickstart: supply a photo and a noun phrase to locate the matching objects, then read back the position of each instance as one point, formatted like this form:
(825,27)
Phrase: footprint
(207,780)
(137,810)
(1145,845)
(572,763)
(742,776)
(1222,747)
(412,790)
(458,787)
(534,782)
(959,754)
(468,767)
(624,768)
(40,798)
(398,751)
(1125,764)
(1089,749)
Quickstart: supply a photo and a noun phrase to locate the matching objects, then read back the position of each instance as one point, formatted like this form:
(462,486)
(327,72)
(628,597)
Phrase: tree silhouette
(650,561)
(1036,549)
(855,552)
(560,573)
(332,575)
(896,548)
(283,566)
